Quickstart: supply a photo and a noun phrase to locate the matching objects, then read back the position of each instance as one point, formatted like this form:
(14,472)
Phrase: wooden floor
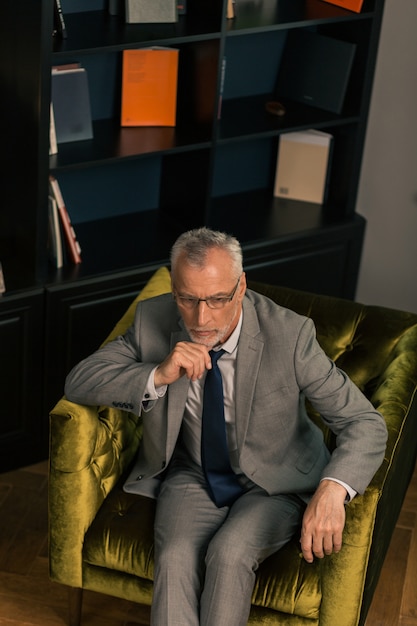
(28,598)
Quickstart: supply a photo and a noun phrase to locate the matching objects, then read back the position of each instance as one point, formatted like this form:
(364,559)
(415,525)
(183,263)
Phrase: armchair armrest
(373,515)
(90,448)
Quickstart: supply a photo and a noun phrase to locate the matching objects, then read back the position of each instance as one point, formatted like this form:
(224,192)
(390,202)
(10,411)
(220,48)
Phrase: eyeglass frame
(191,303)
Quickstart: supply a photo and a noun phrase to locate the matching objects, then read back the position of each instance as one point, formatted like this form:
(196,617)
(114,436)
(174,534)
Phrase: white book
(303,166)
(53,146)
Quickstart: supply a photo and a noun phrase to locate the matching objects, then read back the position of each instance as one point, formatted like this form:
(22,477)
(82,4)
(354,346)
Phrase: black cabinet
(23,424)
(325,261)
(131,191)
(78,319)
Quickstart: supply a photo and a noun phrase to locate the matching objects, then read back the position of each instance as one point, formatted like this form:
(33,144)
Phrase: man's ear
(242,285)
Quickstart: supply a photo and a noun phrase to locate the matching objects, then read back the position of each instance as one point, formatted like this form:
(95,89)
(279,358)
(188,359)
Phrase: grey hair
(195,244)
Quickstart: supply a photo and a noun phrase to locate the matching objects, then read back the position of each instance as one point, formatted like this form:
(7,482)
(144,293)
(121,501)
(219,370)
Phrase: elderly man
(221,375)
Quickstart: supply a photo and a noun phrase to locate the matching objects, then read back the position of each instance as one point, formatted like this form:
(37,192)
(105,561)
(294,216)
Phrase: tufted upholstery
(102,538)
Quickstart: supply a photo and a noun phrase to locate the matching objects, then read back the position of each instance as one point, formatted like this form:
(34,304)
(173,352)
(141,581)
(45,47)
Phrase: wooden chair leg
(75,600)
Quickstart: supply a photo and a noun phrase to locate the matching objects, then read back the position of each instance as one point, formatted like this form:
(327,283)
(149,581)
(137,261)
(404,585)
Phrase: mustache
(203,329)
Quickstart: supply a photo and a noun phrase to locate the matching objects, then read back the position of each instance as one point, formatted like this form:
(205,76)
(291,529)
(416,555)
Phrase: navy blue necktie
(222,482)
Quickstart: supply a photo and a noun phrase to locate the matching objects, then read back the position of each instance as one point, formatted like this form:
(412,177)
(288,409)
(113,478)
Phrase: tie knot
(215,355)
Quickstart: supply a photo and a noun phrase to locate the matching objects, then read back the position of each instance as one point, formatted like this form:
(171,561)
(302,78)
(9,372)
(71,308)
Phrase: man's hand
(323,521)
(186,359)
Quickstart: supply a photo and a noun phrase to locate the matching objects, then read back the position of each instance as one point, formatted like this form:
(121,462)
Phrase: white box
(151,11)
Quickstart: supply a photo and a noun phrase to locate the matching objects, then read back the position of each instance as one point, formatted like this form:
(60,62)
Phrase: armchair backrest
(361,339)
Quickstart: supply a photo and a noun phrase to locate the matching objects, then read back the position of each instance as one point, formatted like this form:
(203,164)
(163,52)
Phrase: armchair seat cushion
(121,539)
(121,536)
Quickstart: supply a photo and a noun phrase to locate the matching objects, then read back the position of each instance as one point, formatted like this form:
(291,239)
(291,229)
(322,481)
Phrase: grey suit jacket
(279,364)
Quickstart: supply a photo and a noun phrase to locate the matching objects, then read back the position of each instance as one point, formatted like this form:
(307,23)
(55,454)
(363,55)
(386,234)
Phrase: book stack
(63,243)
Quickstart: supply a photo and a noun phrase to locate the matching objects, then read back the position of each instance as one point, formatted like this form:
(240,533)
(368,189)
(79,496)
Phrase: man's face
(205,325)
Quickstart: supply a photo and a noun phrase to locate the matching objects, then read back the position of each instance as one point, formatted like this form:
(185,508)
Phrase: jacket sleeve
(361,432)
(114,375)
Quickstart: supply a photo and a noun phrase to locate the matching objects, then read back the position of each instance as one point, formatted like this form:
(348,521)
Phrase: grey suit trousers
(206,557)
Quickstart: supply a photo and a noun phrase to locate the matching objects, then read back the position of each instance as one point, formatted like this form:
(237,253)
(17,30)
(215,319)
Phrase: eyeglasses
(213,302)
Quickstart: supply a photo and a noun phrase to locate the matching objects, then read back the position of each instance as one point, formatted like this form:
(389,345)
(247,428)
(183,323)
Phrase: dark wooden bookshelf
(131,191)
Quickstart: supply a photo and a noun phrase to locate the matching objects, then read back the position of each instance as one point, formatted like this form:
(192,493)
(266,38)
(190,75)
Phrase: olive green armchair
(102,538)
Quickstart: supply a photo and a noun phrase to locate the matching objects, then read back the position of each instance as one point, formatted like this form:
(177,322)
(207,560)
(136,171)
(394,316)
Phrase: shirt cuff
(151,394)
(351,493)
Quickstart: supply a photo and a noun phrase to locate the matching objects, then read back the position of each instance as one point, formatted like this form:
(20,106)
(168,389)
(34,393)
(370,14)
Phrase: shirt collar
(230,344)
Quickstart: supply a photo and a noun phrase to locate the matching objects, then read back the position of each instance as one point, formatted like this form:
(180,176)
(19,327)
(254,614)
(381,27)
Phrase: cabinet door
(23,425)
(79,318)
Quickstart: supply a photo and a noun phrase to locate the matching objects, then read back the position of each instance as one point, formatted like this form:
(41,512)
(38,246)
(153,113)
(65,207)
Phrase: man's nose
(202,311)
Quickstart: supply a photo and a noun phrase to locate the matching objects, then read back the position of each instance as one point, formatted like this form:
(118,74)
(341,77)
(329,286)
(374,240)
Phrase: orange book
(351,5)
(149,87)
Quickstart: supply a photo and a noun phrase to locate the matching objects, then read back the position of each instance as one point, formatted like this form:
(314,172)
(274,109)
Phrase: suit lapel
(248,360)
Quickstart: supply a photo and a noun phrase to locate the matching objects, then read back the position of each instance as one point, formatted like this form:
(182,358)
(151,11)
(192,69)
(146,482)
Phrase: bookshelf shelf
(264,16)
(112,143)
(246,117)
(90,31)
